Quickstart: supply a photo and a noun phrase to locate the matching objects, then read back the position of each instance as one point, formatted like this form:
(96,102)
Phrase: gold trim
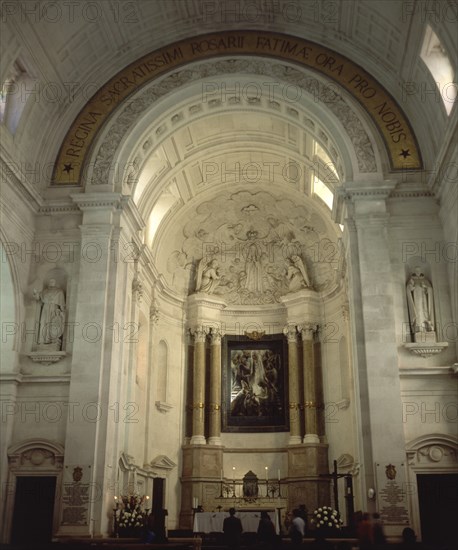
(387,115)
(255,335)
(198,406)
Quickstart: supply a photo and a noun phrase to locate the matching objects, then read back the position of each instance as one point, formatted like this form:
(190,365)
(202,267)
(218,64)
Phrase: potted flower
(327,521)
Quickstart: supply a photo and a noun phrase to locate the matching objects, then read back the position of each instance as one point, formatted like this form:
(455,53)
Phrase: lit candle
(267,473)
(116,498)
(233,472)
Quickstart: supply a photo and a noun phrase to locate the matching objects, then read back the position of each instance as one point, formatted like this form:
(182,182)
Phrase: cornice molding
(97,201)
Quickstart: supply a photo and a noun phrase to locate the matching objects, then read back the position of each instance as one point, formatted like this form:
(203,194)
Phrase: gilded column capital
(290,331)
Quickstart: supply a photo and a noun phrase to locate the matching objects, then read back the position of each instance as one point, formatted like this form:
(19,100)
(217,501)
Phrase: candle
(278,472)
(233,472)
(221,474)
(267,473)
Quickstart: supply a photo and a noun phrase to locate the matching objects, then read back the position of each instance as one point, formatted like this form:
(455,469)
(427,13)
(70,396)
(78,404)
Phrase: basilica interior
(229,262)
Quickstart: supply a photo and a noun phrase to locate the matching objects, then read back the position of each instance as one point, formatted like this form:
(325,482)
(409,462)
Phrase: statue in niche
(420,303)
(207,276)
(297,274)
(51,318)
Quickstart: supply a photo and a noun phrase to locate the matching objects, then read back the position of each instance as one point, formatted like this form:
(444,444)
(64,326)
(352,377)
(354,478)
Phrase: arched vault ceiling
(249,116)
(400,142)
(77,47)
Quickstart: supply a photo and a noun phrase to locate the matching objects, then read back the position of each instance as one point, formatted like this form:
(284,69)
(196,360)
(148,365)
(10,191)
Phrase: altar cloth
(212,522)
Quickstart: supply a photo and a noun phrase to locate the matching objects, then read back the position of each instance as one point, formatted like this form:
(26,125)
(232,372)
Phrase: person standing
(297,528)
(266,534)
(364,532)
(378,535)
(232,528)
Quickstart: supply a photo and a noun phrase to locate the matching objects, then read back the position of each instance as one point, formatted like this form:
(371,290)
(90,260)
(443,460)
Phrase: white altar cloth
(211,522)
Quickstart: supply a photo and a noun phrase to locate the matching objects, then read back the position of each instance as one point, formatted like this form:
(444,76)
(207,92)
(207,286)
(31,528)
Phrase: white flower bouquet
(132,515)
(326,518)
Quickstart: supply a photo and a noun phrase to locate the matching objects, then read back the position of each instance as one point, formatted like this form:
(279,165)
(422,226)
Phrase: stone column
(96,359)
(372,291)
(198,404)
(290,332)
(310,394)
(215,389)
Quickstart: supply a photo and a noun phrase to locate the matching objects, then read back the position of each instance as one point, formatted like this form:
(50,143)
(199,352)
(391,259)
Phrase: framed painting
(254,384)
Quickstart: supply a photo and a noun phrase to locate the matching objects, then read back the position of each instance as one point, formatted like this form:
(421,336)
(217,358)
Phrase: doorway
(438,502)
(33,510)
(159,513)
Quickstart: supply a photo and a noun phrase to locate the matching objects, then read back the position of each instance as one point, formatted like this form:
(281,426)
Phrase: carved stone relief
(257,248)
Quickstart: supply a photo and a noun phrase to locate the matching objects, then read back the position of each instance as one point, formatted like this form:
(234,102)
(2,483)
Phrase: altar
(212,522)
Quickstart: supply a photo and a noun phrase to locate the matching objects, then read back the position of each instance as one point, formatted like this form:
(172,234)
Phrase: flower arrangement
(326,518)
(132,516)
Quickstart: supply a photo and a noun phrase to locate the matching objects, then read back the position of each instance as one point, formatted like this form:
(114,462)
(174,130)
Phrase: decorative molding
(434,450)
(154,313)
(343,404)
(96,201)
(426,350)
(163,407)
(137,288)
(36,454)
(162,462)
(345,462)
(427,371)
(46,357)
(55,208)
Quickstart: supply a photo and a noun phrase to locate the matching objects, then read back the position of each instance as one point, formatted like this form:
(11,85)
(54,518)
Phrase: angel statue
(207,276)
(297,274)
(420,302)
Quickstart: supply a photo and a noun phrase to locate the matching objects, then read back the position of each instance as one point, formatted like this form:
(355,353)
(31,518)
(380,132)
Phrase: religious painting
(254,384)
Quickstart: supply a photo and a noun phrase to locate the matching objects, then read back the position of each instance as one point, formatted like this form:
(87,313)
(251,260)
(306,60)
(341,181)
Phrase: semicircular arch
(393,126)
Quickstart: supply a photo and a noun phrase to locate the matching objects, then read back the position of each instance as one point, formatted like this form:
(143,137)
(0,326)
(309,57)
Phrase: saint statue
(420,302)
(207,276)
(51,322)
(297,274)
